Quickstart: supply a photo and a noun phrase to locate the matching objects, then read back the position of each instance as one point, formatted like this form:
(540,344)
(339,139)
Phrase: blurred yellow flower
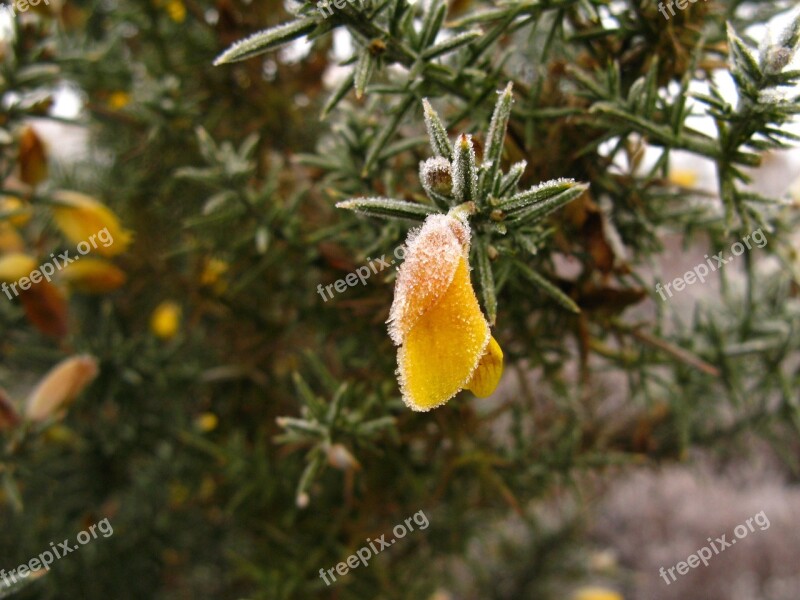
(92,275)
(59,388)
(10,239)
(683,177)
(166,320)
(19,211)
(444,339)
(15,266)
(118,100)
(207,421)
(80,217)
(175,9)
(596,593)
(212,276)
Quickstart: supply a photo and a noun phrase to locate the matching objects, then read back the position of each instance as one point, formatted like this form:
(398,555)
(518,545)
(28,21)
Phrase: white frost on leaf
(465,173)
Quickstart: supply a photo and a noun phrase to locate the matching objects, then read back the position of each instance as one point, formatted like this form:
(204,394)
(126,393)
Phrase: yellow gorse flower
(80,217)
(14,211)
(93,275)
(166,320)
(213,275)
(445,344)
(176,9)
(15,265)
(119,100)
(10,239)
(596,593)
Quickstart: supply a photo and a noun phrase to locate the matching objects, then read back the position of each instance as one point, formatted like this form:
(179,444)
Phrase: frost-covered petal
(490,369)
(442,350)
(432,255)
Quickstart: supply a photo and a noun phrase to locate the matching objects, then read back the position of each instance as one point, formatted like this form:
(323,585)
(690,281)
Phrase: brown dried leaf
(32,157)
(46,309)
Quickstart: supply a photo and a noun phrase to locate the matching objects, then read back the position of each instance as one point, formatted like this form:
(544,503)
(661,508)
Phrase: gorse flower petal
(487,375)
(15,265)
(596,593)
(10,239)
(14,211)
(93,275)
(433,252)
(443,336)
(80,217)
(59,388)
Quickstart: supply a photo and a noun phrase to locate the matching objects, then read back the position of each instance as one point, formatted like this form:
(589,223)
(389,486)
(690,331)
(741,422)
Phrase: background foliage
(266,439)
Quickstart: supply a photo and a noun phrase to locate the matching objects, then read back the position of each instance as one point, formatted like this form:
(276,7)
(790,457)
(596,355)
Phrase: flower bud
(435,176)
(339,457)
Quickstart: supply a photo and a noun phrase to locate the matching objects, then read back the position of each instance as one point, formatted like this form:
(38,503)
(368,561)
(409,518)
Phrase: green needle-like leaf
(548,288)
(440,143)
(465,173)
(497,133)
(269,39)
(486,279)
(388,208)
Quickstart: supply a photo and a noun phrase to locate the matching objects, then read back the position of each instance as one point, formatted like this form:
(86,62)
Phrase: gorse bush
(241,433)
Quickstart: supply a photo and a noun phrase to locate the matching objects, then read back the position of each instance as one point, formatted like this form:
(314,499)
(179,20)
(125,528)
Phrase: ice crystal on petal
(432,254)
(441,352)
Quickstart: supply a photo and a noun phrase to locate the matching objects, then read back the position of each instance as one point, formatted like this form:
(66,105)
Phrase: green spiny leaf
(497,133)
(510,180)
(432,23)
(271,38)
(465,173)
(388,208)
(380,140)
(548,288)
(486,279)
(541,209)
(363,72)
(741,57)
(337,95)
(537,194)
(451,44)
(440,143)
